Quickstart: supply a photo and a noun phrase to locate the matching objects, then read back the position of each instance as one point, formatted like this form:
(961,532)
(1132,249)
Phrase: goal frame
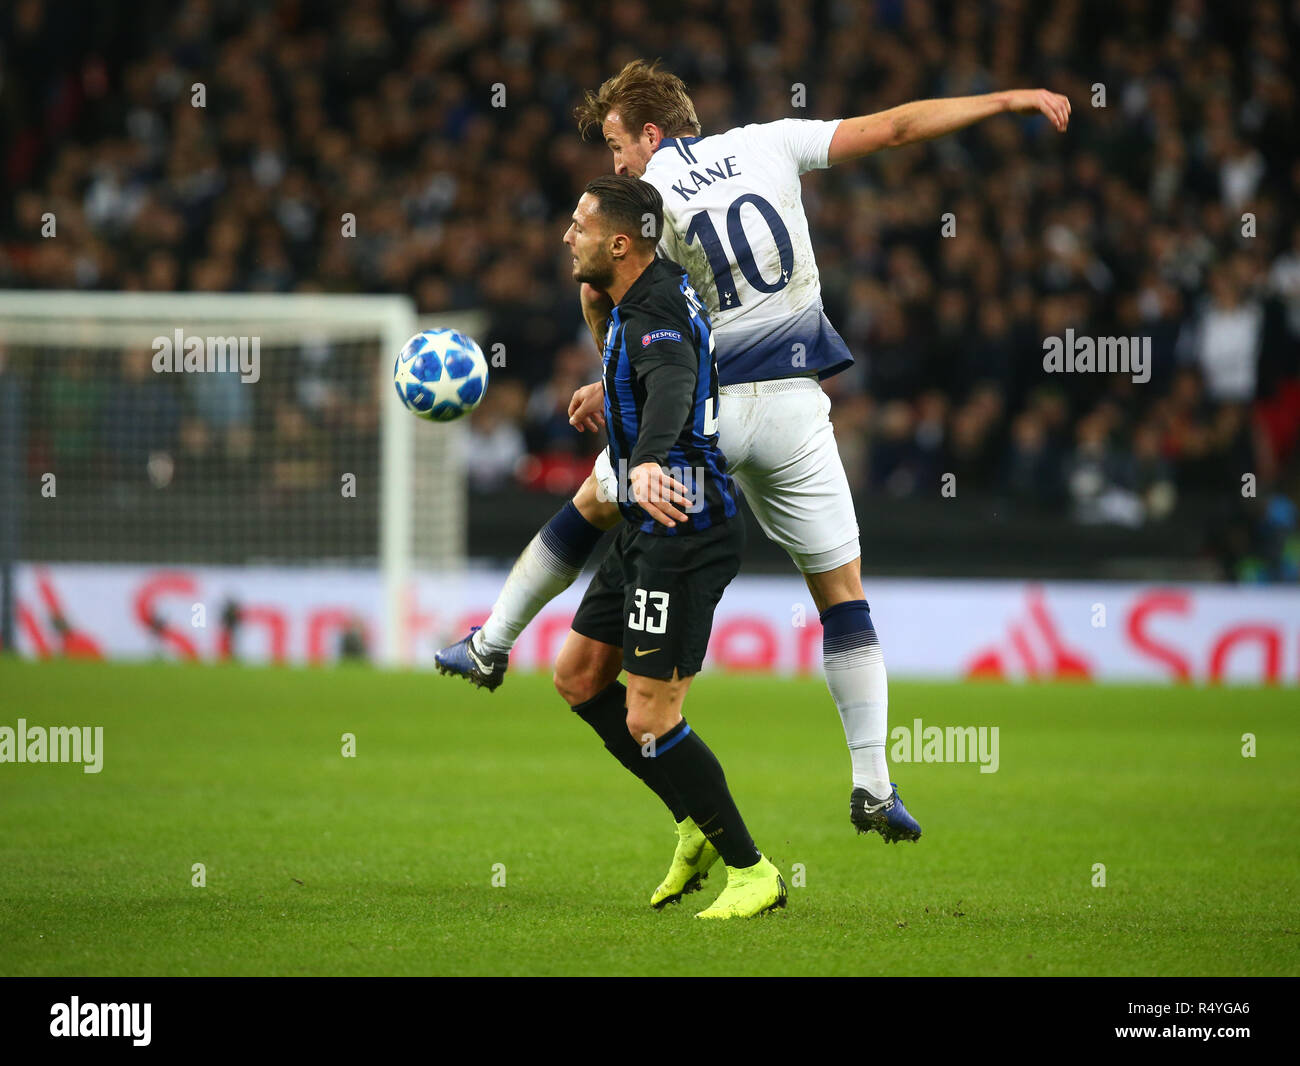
(71,318)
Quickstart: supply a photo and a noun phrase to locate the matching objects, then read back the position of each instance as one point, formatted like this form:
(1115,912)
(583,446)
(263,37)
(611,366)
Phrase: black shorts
(655,596)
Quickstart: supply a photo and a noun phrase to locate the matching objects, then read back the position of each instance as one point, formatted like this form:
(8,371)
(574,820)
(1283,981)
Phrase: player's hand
(657,493)
(1055,106)
(587,408)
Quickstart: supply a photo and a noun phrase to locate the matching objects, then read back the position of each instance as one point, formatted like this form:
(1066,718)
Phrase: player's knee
(653,707)
(603,514)
(584,670)
(576,682)
(644,724)
(841,585)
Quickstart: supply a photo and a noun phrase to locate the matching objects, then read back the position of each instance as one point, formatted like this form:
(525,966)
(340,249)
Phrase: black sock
(606,713)
(697,775)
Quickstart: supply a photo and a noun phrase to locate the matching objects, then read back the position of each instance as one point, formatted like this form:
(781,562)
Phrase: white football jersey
(734,219)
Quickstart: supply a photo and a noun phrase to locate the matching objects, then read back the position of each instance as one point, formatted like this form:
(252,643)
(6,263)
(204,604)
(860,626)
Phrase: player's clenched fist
(657,493)
(1053,105)
(587,408)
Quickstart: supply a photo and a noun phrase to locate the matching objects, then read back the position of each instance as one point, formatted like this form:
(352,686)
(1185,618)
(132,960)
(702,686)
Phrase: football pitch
(477,833)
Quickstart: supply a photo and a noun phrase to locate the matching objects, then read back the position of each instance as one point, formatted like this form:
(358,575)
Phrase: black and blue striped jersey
(660,323)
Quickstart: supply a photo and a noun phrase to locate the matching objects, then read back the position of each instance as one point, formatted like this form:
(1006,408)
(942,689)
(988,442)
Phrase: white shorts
(780,447)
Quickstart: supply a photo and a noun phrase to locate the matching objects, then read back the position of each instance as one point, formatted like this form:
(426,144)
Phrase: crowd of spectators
(106,417)
(444,130)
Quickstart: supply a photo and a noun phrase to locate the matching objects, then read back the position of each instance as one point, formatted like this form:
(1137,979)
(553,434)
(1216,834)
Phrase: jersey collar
(643,281)
(681,145)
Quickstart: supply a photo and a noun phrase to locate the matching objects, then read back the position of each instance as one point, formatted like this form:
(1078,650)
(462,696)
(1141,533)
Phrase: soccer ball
(440,374)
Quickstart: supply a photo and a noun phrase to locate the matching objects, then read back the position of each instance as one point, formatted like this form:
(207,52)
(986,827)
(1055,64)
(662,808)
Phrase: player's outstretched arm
(923,120)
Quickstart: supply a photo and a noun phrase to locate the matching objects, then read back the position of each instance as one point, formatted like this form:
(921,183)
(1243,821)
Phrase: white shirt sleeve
(668,247)
(805,142)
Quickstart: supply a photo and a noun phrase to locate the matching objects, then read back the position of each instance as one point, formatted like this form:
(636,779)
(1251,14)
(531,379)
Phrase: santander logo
(1159,630)
(1082,631)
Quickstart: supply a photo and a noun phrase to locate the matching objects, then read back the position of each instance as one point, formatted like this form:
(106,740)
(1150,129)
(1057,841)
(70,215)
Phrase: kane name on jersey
(734,219)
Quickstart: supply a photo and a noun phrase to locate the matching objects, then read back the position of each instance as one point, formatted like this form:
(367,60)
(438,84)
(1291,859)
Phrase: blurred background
(1169,213)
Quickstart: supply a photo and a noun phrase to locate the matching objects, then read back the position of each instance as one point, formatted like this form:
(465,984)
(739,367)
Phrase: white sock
(549,565)
(855,675)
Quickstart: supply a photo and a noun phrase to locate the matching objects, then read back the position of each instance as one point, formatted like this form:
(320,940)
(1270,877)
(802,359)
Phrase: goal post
(281,442)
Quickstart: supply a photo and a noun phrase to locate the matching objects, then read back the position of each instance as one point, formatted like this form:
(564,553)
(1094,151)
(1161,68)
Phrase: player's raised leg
(548,565)
(792,475)
(855,675)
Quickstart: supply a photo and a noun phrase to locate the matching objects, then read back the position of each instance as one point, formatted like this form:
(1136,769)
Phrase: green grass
(382,863)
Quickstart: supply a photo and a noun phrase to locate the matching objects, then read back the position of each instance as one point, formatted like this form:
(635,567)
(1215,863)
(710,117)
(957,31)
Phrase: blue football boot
(888,817)
(484,669)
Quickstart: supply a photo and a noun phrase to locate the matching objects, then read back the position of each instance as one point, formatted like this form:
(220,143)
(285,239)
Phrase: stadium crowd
(1168,211)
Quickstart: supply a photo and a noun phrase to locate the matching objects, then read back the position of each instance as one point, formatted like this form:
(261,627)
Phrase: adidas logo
(1033,648)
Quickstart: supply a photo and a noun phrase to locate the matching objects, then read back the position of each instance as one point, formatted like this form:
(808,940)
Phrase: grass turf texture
(382,863)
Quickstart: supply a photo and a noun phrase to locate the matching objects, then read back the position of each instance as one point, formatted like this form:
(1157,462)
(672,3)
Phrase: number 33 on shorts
(654,622)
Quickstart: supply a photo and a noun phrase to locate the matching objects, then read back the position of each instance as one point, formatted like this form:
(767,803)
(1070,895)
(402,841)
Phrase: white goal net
(259,433)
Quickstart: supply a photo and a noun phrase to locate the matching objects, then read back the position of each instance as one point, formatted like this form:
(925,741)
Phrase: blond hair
(640,93)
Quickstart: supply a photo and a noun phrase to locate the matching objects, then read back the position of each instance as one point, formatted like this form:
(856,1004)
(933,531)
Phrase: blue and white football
(440,374)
